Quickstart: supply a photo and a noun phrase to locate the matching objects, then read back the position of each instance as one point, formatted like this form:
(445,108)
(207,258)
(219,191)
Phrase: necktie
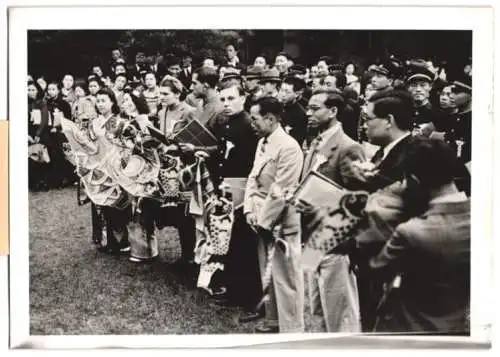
(263,146)
(377,158)
(310,155)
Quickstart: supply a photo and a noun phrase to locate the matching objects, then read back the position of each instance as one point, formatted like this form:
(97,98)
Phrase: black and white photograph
(251,181)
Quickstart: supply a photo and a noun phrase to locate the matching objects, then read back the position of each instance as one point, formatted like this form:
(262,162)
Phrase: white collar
(328,133)
(452,197)
(389,147)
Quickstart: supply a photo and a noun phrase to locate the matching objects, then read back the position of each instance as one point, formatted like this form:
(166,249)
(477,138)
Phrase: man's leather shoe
(248,316)
(267,329)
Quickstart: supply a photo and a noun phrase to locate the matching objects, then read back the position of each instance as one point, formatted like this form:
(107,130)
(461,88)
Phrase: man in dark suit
(234,159)
(388,118)
(431,251)
(186,75)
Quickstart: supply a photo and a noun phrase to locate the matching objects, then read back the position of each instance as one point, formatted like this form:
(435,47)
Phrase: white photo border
(477,19)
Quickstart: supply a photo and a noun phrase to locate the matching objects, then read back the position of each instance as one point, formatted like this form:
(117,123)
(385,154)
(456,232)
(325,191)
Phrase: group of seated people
(392,255)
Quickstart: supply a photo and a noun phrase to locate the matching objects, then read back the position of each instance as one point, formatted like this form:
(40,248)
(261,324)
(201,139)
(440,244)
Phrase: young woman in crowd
(352,80)
(119,87)
(61,172)
(67,91)
(151,93)
(38,119)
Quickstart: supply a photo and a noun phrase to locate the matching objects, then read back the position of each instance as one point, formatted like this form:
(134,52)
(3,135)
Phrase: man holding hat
(270,81)
(419,84)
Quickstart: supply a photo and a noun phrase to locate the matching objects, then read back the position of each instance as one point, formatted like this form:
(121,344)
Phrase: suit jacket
(335,153)
(236,146)
(276,166)
(391,168)
(433,254)
(186,80)
(182,115)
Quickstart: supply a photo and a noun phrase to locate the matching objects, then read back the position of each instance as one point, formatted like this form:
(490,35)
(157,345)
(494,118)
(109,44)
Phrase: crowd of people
(399,133)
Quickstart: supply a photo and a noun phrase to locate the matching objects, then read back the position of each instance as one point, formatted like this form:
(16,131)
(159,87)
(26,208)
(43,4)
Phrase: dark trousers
(114,222)
(175,216)
(242,270)
(370,290)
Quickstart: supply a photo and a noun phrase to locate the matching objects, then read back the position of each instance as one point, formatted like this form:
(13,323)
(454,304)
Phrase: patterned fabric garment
(339,223)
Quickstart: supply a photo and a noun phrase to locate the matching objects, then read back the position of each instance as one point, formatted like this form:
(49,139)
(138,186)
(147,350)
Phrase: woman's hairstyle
(115,109)
(149,72)
(54,83)
(139,101)
(121,75)
(96,79)
(39,91)
(82,85)
(173,83)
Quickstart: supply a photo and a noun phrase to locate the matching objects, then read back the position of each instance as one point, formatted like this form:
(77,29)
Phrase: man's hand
(187,147)
(304,207)
(357,170)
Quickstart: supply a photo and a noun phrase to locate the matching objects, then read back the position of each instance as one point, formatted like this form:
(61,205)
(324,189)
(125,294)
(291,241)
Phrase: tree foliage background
(54,52)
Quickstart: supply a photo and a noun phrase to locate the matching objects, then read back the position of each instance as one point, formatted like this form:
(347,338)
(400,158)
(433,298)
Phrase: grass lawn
(76,290)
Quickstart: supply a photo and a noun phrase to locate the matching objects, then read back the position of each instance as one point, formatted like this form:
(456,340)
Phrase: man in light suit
(333,289)
(277,165)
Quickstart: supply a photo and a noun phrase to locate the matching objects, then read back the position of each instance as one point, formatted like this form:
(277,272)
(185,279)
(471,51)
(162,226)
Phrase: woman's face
(120,83)
(52,91)
(128,105)
(32,91)
(68,81)
(150,81)
(97,71)
(93,87)
(349,69)
(260,62)
(79,92)
(119,69)
(104,104)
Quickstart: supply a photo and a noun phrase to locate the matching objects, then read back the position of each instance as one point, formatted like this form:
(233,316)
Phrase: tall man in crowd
(277,165)
(334,293)
(233,159)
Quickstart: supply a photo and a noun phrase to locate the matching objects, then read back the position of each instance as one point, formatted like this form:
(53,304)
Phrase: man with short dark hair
(294,114)
(203,85)
(277,166)
(388,122)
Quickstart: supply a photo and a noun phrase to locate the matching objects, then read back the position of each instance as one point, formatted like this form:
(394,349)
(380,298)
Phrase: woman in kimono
(114,235)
